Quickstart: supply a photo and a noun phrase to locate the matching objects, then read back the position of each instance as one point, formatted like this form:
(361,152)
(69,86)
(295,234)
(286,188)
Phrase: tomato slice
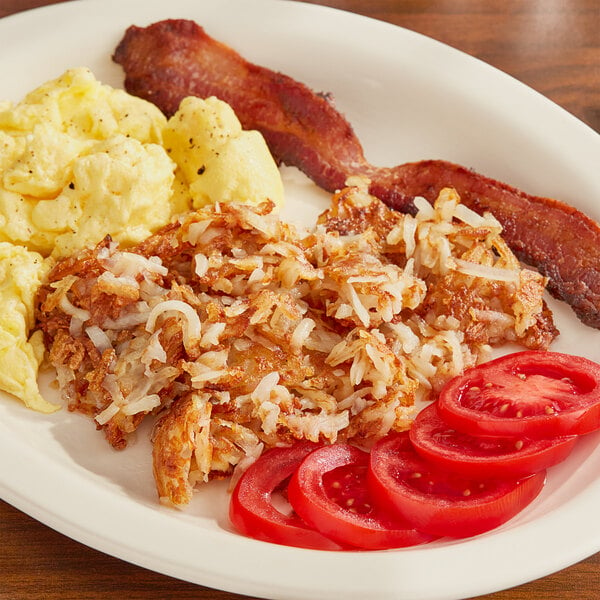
(532,393)
(330,491)
(439,502)
(251,508)
(484,457)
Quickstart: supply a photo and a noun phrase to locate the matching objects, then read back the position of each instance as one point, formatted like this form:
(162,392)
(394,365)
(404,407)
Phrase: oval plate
(409,98)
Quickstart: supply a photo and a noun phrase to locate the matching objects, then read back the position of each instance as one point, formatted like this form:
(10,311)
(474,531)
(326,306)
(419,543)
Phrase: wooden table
(553,47)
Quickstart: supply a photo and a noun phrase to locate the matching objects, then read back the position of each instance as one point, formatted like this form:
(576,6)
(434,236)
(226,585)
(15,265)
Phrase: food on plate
(412,486)
(484,456)
(21,272)
(172,59)
(439,502)
(390,497)
(560,241)
(80,160)
(252,508)
(173,291)
(217,159)
(525,394)
(166,286)
(243,332)
(330,491)
(301,128)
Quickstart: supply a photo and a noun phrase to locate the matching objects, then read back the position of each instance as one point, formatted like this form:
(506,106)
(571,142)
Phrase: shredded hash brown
(240,332)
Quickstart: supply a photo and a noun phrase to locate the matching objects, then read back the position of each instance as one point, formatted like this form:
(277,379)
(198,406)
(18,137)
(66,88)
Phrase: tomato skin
(473,456)
(311,490)
(531,394)
(252,513)
(439,503)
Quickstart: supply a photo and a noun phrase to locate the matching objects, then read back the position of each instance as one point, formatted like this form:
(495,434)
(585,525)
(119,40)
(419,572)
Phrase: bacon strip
(172,59)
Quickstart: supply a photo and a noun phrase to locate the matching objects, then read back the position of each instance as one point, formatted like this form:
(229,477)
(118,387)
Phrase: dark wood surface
(552,46)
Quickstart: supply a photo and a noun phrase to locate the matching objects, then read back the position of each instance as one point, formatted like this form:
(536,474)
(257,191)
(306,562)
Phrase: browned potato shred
(242,332)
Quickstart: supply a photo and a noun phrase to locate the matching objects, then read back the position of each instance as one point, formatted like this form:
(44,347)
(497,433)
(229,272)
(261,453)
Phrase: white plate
(408,98)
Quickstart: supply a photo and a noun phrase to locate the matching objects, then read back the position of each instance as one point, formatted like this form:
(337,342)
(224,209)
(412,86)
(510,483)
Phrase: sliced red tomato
(439,502)
(329,490)
(484,457)
(532,393)
(251,508)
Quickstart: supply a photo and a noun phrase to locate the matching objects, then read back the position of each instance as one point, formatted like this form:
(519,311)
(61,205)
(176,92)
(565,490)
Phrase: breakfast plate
(408,98)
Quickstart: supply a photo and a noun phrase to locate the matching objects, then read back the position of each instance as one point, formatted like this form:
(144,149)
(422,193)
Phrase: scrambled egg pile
(21,273)
(220,161)
(80,160)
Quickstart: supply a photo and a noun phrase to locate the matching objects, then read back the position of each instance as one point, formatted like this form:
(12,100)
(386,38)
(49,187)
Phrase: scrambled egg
(218,160)
(80,160)
(21,273)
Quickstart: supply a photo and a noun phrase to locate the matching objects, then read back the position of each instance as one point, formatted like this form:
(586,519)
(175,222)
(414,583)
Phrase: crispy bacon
(172,59)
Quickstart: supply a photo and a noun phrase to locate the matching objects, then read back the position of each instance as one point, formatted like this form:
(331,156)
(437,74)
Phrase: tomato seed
(519,444)
(549,410)
(416,475)
(522,376)
(336,485)
(466,492)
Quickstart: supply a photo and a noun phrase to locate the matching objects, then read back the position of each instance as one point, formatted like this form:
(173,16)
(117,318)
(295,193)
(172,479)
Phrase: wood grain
(552,46)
